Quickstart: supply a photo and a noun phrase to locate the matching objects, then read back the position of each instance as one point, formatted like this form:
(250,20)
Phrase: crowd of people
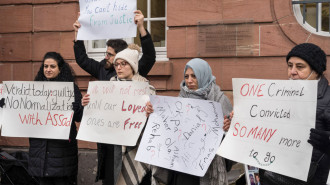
(55,162)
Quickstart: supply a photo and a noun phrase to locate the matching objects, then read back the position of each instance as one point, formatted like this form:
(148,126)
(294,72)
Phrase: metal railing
(317,10)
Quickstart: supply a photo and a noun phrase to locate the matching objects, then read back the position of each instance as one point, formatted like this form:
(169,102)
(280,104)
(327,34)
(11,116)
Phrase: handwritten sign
(1,109)
(105,19)
(271,125)
(116,112)
(38,109)
(182,134)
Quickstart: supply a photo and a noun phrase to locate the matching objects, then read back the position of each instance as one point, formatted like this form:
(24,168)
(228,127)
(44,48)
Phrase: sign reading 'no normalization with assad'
(37,109)
(106,19)
(271,125)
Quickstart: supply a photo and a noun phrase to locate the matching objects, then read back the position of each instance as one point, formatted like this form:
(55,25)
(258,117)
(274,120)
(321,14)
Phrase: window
(313,15)
(154,21)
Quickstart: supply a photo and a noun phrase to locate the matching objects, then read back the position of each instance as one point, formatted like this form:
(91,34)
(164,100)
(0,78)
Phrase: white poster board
(271,125)
(1,109)
(328,179)
(182,134)
(106,19)
(116,112)
(38,109)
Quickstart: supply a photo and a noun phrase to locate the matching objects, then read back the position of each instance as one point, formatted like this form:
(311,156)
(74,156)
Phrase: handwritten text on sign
(271,125)
(105,19)
(182,134)
(1,96)
(38,109)
(116,112)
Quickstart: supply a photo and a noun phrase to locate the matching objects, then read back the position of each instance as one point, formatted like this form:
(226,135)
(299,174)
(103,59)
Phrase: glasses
(121,64)
(109,54)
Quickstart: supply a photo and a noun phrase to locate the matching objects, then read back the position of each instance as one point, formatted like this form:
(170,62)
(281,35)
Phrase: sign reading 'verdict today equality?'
(37,109)
(1,109)
(106,19)
(116,112)
(271,125)
(182,134)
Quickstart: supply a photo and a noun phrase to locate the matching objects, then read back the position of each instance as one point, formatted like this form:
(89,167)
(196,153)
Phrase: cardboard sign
(38,109)
(182,134)
(271,125)
(106,19)
(116,112)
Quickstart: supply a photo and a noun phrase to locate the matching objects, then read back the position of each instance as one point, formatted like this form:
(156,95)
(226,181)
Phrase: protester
(120,171)
(199,83)
(308,62)
(105,70)
(55,161)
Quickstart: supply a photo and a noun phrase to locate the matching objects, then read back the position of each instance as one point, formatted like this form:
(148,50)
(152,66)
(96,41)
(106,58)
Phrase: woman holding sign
(56,161)
(199,83)
(120,167)
(308,62)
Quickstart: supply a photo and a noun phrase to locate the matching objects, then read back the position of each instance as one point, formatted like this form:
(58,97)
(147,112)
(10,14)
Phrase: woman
(308,62)
(199,83)
(126,66)
(56,161)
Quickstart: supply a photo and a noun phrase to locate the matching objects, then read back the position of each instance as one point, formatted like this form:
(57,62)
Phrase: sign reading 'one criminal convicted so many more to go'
(182,134)
(38,109)
(105,19)
(116,112)
(271,125)
(1,96)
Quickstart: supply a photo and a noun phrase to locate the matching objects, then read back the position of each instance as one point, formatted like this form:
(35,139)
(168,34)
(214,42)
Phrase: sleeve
(226,105)
(78,112)
(90,65)
(148,58)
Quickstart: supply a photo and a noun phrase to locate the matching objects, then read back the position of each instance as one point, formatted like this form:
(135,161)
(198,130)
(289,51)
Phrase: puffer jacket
(53,157)
(322,123)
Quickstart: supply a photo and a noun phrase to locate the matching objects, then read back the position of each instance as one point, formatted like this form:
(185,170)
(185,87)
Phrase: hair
(117,44)
(66,73)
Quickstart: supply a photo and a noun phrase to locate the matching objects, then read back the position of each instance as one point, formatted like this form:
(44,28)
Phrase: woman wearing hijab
(199,83)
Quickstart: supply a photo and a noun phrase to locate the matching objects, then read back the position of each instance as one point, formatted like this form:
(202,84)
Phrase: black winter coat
(56,158)
(322,123)
(97,70)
